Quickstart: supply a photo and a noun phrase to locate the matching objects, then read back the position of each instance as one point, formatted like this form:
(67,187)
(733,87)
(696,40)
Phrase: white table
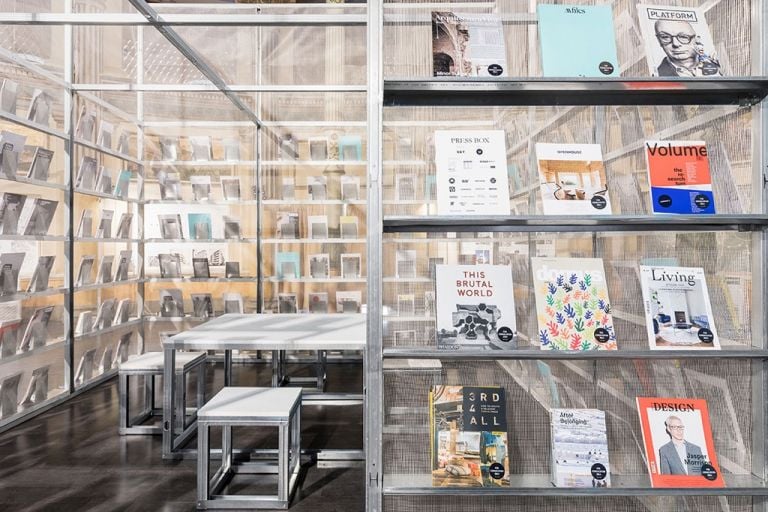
(275,332)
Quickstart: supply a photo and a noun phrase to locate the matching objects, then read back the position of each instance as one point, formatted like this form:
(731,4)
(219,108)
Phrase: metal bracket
(373,479)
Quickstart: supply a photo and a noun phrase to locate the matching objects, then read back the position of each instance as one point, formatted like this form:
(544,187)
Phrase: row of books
(317,302)
(317,188)
(36,217)
(109,313)
(170,266)
(92,177)
(334,147)
(288,265)
(33,335)
(86,130)
(172,303)
(287,226)
(104,229)
(470,448)
(37,391)
(12,147)
(170,186)
(39,110)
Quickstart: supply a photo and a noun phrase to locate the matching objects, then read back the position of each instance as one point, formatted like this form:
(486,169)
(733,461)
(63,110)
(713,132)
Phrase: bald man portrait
(678,456)
(685,55)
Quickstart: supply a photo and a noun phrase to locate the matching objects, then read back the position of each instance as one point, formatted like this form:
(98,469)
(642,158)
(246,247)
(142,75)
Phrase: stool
(149,366)
(247,406)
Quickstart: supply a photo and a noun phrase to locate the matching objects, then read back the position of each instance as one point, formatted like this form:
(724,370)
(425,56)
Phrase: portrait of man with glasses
(678,456)
(684,49)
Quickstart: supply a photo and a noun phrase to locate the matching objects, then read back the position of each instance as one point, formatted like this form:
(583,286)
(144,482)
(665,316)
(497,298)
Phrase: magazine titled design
(680,179)
(579,448)
(468,45)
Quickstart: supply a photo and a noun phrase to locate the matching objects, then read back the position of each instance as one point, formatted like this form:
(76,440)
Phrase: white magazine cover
(579,448)
(465,44)
(678,42)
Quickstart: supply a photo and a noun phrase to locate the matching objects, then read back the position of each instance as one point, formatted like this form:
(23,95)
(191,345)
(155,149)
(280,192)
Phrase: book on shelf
(200,226)
(37,389)
(36,333)
(124,143)
(577,41)
(350,148)
(84,323)
(287,225)
(105,269)
(170,265)
(11,148)
(475,307)
(678,313)
(351,265)
(348,302)
(170,185)
(85,228)
(123,347)
(43,211)
(579,448)
(406,304)
(677,438)
(201,147)
(41,164)
(233,303)
(40,107)
(317,188)
(11,207)
(170,226)
(678,42)
(288,265)
(169,148)
(348,225)
(471,172)
(106,131)
(104,180)
(350,188)
(41,274)
(123,183)
(201,187)
(318,226)
(105,314)
(468,44)
(10,266)
(405,263)
(105,224)
(9,96)
(679,176)
(201,268)
(124,227)
(232,269)
(86,123)
(231,228)
(287,303)
(287,148)
(123,312)
(405,187)
(468,436)
(171,303)
(288,189)
(572,305)
(231,149)
(318,302)
(202,305)
(572,179)
(85,270)
(230,188)
(10,327)
(86,174)
(318,148)
(123,265)
(319,266)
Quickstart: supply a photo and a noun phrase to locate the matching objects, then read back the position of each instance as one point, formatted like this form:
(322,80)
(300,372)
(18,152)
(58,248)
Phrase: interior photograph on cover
(678,42)
(678,313)
(680,178)
(468,436)
(572,179)
(468,45)
(579,448)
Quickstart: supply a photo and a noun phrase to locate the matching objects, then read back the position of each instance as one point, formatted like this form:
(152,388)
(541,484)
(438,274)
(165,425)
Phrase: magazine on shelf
(123,265)
(201,268)
(233,303)
(43,211)
(86,124)
(577,41)
(85,270)
(11,207)
(351,265)
(36,333)
(348,224)
(123,143)
(40,107)
(85,228)
(579,448)
(231,149)
(406,304)
(10,266)
(86,174)
(572,305)
(84,323)
(11,148)
(317,188)
(37,389)
(471,172)
(678,42)
(231,228)
(405,187)
(170,227)
(123,312)
(230,188)
(287,148)
(288,189)
(201,188)
(475,307)
(348,302)
(104,181)
(350,188)
(678,313)
(572,179)
(318,226)
(287,303)
(105,270)
(679,175)
(350,149)
(124,227)
(433,263)
(169,148)
(122,184)
(468,44)
(405,263)
(41,164)
(319,266)
(8,96)
(468,436)
(318,148)
(679,448)
(105,224)
(10,327)
(170,265)
(232,269)
(171,303)
(121,352)
(318,302)
(170,185)
(105,314)
(288,265)
(200,226)
(202,305)
(201,147)
(41,275)
(106,131)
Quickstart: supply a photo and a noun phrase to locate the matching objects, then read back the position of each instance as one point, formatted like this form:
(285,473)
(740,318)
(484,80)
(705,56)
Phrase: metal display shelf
(574,91)
(727,352)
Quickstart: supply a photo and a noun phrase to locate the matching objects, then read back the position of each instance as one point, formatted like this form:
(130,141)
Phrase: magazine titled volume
(468,45)
(579,448)
(468,436)
(678,42)
(678,172)
(572,179)
(678,313)
(475,307)
(572,305)
(471,172)
(678,443)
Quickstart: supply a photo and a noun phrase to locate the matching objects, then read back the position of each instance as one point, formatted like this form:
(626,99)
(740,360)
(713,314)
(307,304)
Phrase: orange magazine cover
(678,443)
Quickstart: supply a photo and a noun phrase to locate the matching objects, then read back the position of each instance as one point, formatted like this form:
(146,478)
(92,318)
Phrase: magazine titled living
(468,45)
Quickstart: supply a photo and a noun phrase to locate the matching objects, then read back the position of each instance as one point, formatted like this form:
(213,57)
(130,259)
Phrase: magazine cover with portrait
(678,443)
(678,42)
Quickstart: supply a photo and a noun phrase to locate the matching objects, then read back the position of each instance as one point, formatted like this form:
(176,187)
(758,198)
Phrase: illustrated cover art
(678,42)
(468,45)
(678,443)
(475,307)
(679,175)
(468,432)
(579,448)
(572,179)
(577,41)
(678,313)
(572,304)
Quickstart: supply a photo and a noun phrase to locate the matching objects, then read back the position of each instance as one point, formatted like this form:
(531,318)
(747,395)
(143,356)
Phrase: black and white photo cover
(41,164)
(202,305)
(11,148)
(232,269)
(42,215)
(106,130)
(170,265)
(201,147)
(348,302)
(287,303)
(86,123)
(468,44)
(171,303)
(11,207)
(10,266)
(86,174)
(105,269)
(287,225)
(41,275)
(36,333)
(233,303)
(84,273)
(319,266)
(201,268)
(40,107)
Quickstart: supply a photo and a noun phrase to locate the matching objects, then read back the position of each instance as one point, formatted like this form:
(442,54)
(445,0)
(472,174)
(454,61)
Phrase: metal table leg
(169,401)
(227,368)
